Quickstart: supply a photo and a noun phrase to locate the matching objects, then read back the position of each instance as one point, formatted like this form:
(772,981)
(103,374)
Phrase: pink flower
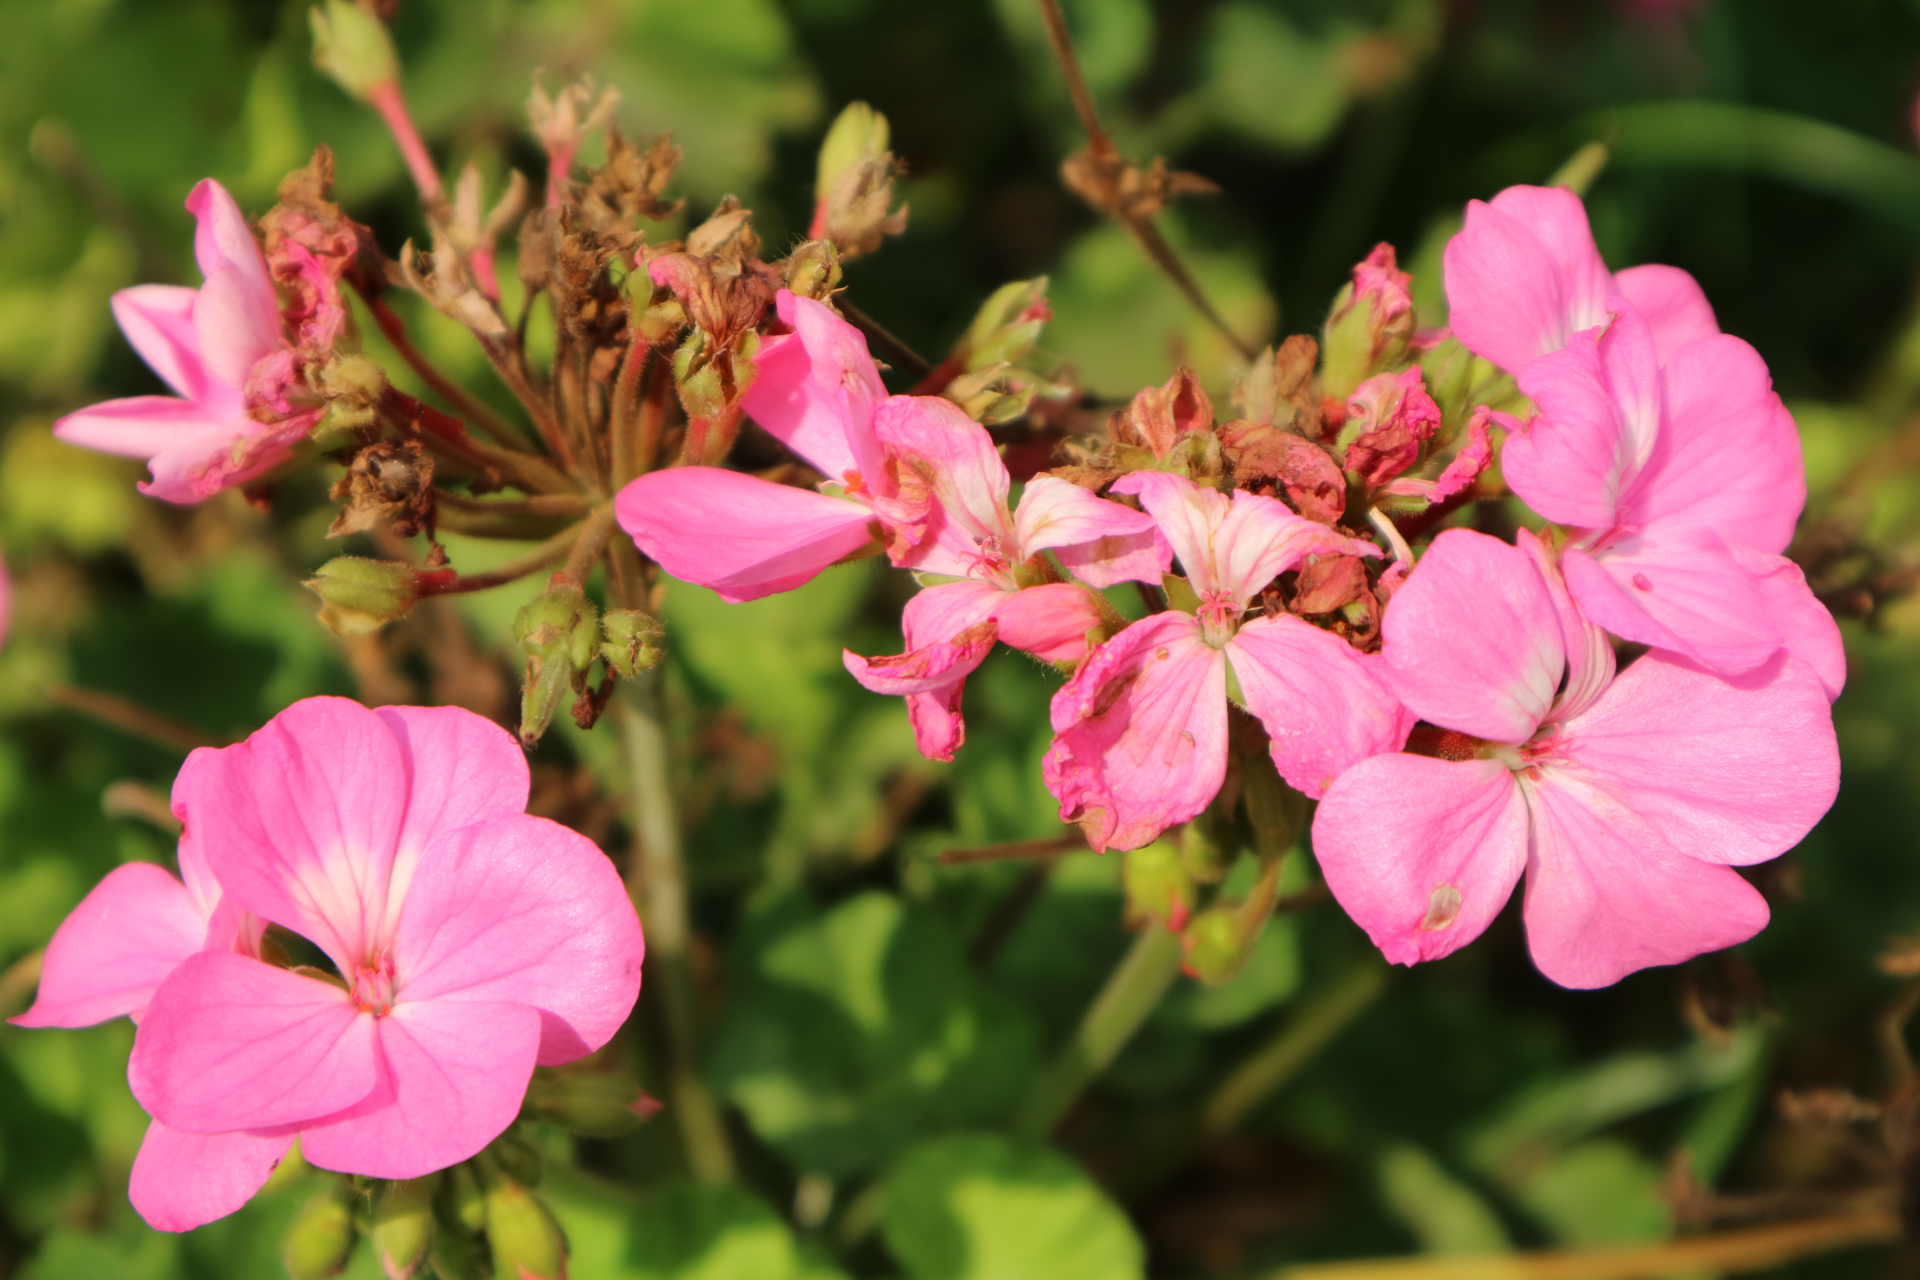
(1683,479)
(815,391)
(1465,466)
(1626,801)
(946,462)
(1394,416)
(1141,729)
(221,347)
(473,941)
(1523,276)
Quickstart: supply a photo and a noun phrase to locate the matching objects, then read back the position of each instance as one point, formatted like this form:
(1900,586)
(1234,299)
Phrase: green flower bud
(1370,327)
(517,1158)
(633,642)
(1006,326)
(813,270)
(465,1199)
(559,630)
(457,1255)
(319,1239)
(596,1105)
(527,1244)
(1217,943)
(403,1225)
(1157,885)
(358,595)
(351,44)
(859,133)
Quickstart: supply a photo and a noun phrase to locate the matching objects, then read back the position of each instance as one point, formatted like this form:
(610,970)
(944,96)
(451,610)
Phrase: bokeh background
(872,1017)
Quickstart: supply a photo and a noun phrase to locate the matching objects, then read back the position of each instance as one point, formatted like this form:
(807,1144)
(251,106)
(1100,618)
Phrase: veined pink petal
(1599,402)
(1523,276)
(236,317)
(815,390)
(203,765)
(1804,625)
(1734,770)
(929,668)
(1051,622)
(1422,853)
(1590,660)
(1728,456)
(1466,465)
(145,426)
(524,910)
(1675,307)
(158,322)
(1141,733)
(939,729)
(301,824)
(231,1043)
(1680,589)
(938,450)
(454,1075)
(1324,706)
(119,944)
(196,469)
(185,1180)
(740,535)
(1472,641)
(949,630)
(1607,895)
(1099,542)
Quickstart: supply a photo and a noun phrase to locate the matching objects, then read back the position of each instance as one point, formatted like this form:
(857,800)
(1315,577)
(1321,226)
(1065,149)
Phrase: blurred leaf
(1445,1214)
(82,500)
(687,1232)
(1269,979)
(986,1208)
(1597,1192)
(1271,81)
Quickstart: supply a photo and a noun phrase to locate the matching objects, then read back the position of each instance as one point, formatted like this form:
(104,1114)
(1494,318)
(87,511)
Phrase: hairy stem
(625,417)
(1312,1027)
(591,544)
(1133,991)
(557,547)
(392,107)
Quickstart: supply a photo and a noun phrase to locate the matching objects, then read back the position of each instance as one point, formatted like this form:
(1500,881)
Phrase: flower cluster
(469,942)
(1460,717)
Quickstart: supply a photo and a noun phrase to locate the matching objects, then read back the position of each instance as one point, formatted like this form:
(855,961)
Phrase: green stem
(662,869)
(1132,992)
(1312,1027)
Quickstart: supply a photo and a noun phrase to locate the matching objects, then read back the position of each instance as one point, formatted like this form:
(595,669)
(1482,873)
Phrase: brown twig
(130,717)
(394,329)
(555,548)
(890,348)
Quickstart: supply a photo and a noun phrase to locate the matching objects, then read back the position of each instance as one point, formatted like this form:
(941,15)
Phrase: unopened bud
(351,44)
(859,133)
(358,595)
(813,270)
(1200,853)
(1006,326)
(1217,943)
(527,1244)
(1370,326)
(703,394)
(458,1255)
(633,642)
(595,1105)
(853,187)
(354,378)
(517,1158)
(1157,885)
(403,1225)
(320,1238)
(559,630)
(467,1199)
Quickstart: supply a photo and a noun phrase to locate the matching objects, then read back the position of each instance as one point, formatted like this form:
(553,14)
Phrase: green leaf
(1444,1213)
(986,1208)
(689,1232)
(1598,1192)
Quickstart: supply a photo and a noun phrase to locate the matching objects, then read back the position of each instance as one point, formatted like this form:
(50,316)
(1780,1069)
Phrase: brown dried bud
(1160,417)
(1278,388)
(391,480)
(310,248)
(853,186)
(1305,471)
(1327,583)
(628,186)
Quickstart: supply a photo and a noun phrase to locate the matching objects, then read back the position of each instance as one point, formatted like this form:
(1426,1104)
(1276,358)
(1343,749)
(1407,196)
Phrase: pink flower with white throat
(472,942)
(222,348)
(1625,801)
(815,391)
(1003,591)
(1141,729)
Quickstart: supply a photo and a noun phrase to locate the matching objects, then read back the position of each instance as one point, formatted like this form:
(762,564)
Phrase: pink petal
(196,469)
(236,317)
(158,322)
(231,1043)
(1728,457)
(740,535)
(113,949)
(1675,306)
(302,821)
(147,426)
(949,631)
(941,452)
(1804,625)
(815,391)
(939,729)
(1607,895)
(1523,276)
(1325,707)
(1590,659)
(522,909)
(1472,641)
(1732,770)
(203,765)
(1422,853)
(462,768)
(1466,465)
(1679,589)
(456,1072)
(1099,542)
(1141,733)
(185,1180)
(1051,622)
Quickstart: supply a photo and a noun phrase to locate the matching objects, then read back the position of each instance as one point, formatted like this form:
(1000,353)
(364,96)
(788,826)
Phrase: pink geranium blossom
(472,940)
(221,347)
(1141,729)
(1625,802)
(1002,591)
(815,390)
(1523,276)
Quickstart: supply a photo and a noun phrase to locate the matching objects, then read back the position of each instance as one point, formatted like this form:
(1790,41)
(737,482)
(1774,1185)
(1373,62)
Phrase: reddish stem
(392,107)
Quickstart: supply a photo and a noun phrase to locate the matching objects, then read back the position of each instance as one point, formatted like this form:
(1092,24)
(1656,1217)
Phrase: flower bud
(595,1105)
(1217,942)
(1006,326)
(1371,324)
(320,1238)
(526,1241)
(559,630)
(458,1255)
(465,1197)
(352,45)
(813,270)
(1157,885)
(358,595)
(858,133)
(853,185)
(403,1225)
(517,1158)
(633,642)
(1389,417)
(703,393)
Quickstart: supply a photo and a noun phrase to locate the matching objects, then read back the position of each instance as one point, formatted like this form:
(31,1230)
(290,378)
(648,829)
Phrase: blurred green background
(871,1016)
